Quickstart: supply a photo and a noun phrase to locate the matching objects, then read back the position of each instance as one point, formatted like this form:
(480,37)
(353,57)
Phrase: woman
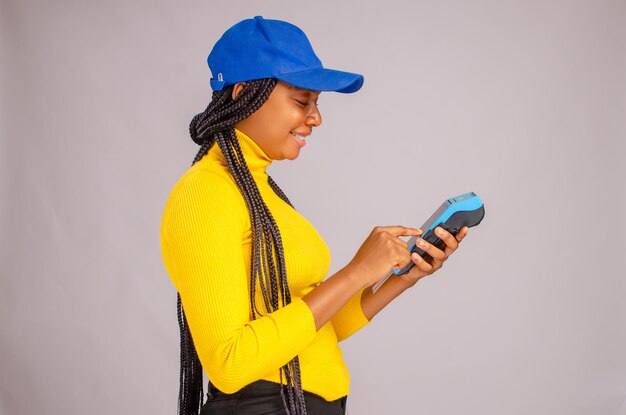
(248,268)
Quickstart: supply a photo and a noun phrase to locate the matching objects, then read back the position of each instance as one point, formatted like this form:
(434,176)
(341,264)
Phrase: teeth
(301,137)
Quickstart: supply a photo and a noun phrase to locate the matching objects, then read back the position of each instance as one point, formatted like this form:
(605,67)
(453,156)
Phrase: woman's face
(283,122)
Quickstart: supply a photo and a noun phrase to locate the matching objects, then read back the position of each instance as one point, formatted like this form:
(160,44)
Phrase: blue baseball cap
(263,48)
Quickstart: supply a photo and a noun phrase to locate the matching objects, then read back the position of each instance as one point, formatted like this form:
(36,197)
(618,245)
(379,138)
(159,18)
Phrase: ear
(237,88)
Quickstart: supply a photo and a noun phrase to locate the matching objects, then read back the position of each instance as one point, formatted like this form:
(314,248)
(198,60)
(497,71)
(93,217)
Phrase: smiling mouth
(300,139)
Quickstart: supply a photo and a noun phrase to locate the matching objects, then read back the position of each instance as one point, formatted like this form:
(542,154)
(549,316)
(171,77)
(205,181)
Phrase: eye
(303,104)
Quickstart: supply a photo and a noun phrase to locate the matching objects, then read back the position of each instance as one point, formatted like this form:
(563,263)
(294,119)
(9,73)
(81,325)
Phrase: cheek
(285,122)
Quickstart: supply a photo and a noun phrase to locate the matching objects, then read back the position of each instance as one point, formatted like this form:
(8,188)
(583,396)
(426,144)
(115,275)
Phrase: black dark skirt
(264,398)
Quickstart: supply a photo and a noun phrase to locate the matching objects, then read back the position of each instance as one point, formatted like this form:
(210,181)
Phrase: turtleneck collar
(256,158)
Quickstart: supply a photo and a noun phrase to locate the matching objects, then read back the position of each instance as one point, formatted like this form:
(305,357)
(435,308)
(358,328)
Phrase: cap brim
(321,79)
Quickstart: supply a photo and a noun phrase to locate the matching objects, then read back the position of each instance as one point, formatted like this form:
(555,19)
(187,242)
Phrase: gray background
(522,102)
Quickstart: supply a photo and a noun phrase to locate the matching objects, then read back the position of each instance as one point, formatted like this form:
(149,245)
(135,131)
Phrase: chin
(291,156)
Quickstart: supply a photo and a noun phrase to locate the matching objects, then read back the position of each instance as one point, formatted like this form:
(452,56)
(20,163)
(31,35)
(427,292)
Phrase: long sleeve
(202,244)
(350,318)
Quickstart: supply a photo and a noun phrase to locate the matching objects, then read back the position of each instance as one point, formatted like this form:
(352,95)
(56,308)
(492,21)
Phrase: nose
(314,117)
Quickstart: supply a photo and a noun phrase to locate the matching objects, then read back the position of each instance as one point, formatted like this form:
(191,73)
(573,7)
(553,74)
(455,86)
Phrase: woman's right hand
(382,251)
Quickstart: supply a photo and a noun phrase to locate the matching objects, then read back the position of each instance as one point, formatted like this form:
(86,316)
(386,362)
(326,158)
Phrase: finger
(398,250)
(462,234)
(395,244)
(421,263)
(437,265)
(448,238)
(402,262)
(402,253)
(431,249)
(399,230)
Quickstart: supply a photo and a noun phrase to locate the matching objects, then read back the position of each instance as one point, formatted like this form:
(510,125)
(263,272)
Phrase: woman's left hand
(423,268)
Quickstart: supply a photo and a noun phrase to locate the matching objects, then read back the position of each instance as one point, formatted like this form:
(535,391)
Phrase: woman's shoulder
(201,199)
(208,174)
(208,184)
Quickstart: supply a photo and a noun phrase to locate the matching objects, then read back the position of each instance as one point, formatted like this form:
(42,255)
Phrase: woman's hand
(381,251)
(423,268)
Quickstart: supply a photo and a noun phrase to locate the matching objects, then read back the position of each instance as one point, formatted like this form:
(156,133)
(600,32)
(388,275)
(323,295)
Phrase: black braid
(191,390)
(267,267)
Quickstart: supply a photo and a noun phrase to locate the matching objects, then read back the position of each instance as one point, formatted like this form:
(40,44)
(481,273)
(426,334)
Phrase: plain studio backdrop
(522,102)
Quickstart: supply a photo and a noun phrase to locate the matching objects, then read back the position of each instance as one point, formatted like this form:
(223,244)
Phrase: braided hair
(216,125)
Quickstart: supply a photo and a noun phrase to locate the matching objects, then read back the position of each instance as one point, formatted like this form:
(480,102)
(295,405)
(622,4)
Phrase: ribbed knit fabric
(206,246)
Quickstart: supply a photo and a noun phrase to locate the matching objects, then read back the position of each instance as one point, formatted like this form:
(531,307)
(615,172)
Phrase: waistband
(265,388)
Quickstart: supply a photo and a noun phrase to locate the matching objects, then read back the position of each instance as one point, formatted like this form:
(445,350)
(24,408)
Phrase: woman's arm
(380,252)
(372,303)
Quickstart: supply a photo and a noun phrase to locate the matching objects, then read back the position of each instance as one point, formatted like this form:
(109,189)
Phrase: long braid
(191,390)
(267,267)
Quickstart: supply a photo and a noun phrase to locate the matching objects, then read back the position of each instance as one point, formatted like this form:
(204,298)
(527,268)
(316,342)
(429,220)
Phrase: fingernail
(421,243)
(439,231)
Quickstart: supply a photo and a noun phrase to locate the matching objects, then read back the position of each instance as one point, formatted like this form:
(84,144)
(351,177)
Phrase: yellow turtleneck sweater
(206,245)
